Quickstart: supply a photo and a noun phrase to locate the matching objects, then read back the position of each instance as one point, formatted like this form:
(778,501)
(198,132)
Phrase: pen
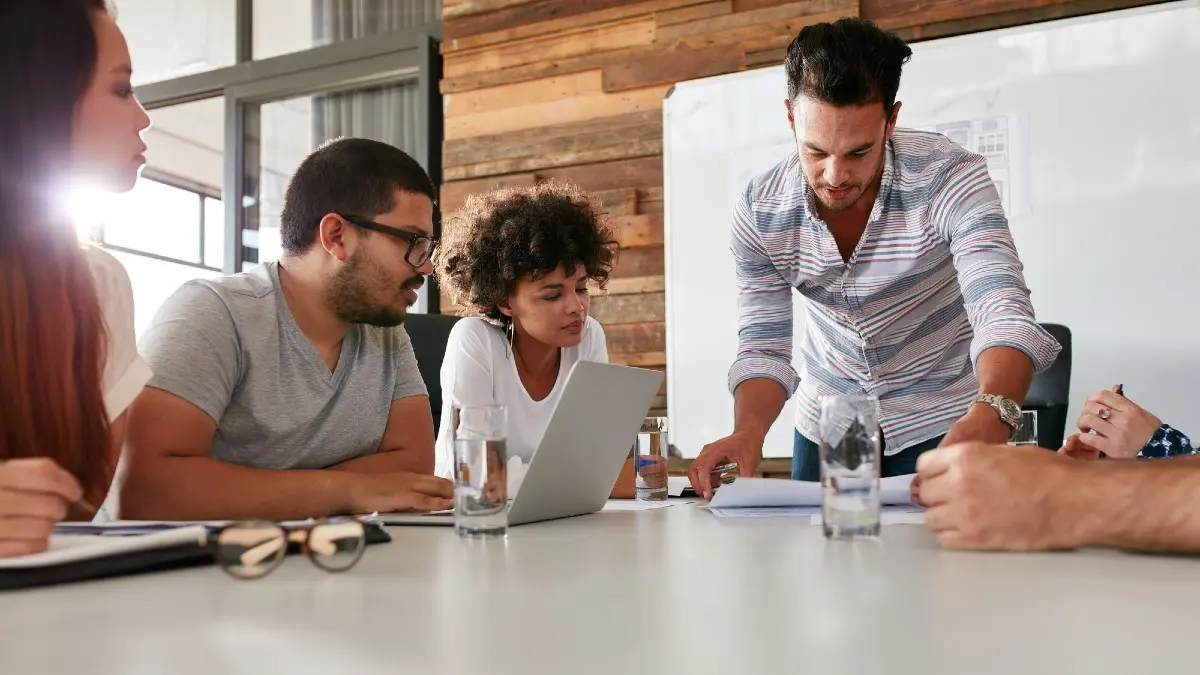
(85,506)
(1120,390)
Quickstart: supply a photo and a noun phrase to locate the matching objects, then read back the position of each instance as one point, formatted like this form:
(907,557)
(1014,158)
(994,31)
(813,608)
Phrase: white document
(781,492)
(896,514)
(676,485)
(892,515)
(67,548)
(633,505)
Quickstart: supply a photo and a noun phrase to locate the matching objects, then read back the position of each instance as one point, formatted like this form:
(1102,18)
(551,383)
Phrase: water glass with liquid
(850,466)
(1028,433)
(480,470)
(650,455)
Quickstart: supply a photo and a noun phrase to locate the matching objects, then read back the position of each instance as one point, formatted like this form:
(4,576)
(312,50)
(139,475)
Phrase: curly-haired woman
(522,262)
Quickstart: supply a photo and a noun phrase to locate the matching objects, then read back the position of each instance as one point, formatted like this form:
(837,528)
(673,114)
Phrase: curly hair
(500,237)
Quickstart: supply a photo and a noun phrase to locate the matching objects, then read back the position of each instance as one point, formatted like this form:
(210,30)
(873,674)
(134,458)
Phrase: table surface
(667,590)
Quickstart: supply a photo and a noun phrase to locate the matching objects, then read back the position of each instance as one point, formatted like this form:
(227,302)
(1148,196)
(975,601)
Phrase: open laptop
(588,438)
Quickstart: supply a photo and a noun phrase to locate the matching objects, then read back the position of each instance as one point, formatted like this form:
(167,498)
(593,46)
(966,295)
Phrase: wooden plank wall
(573,89)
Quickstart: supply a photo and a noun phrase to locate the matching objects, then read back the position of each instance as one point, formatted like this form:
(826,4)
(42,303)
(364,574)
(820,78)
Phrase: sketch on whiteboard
(1001,140)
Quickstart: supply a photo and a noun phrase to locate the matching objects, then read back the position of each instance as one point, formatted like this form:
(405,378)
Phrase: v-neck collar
(300,342)
(558,380)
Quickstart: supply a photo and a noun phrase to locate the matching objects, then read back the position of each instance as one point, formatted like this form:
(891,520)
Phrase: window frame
(399,56)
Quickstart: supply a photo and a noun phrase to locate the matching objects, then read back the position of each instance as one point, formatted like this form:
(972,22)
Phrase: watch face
(1011,410)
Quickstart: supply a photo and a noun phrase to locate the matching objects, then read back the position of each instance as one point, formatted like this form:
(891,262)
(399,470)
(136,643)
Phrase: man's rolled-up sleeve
(968,213)
(764,321)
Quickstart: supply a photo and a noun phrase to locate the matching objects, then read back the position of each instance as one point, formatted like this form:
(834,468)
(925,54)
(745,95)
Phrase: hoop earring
(512,335)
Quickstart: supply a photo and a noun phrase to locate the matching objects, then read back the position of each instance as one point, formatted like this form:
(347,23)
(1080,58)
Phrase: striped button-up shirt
(935,280)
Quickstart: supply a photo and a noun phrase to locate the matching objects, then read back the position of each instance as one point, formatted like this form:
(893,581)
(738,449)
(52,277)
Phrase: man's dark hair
(500,237)
(847,62)
(354,176)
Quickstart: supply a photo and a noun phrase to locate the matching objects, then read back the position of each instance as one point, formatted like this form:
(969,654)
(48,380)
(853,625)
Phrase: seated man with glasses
(291,390)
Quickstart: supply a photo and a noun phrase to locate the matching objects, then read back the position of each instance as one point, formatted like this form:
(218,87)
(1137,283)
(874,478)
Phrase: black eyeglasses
(420,247)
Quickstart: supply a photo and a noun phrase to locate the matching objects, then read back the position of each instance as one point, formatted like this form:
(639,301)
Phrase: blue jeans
(806,459)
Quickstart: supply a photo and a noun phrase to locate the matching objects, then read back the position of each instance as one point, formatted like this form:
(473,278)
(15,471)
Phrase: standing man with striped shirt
(898,243)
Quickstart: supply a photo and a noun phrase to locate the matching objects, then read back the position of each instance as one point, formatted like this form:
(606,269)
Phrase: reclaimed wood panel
(693,12)
(454,9)
(611,37)
(897,13)
(519,94)
(640,173)
(766,17)
(1015,17)
(614,138)
(611,310)
(636,338)
(641,230)
(645,261)
(603,131)
(563,111)
(454,194)
(671,66)
(629,285)
(643,360)
(507,32)
(619,202)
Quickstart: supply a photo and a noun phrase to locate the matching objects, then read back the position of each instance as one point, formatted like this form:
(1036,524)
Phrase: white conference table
(668,590)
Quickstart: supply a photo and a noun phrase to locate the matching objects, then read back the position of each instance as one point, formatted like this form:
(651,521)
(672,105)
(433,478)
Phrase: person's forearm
(412,461)
(1004,371)
(756,405)
(202,488)
(1146,506)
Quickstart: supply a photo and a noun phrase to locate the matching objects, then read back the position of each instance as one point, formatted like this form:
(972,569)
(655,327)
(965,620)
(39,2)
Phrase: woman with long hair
(68,360)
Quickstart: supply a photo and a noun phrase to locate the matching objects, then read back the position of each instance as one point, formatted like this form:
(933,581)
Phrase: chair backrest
(429,334)
(1050,392)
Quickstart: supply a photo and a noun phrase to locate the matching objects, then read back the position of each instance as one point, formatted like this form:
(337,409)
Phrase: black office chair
(1050,393)
(429,333)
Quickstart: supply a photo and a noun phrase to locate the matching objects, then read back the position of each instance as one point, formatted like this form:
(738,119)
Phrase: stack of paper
(751,497)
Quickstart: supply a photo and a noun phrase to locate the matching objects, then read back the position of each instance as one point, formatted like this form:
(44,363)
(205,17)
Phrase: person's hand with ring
(1121,426)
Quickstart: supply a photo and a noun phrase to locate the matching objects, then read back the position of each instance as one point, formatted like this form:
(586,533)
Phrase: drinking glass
(480,470)
(850,466)
(1028,433)
(650,460)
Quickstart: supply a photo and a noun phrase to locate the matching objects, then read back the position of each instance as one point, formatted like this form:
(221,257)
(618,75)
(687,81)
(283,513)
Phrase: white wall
(1106,225)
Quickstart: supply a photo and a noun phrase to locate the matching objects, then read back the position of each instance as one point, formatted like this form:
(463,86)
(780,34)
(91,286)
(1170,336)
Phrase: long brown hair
(52,332)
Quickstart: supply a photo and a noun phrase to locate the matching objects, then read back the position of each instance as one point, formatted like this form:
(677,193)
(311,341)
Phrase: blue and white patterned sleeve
(1166,442)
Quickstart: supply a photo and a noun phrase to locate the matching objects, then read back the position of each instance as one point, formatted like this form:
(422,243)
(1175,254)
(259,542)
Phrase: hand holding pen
(35,494)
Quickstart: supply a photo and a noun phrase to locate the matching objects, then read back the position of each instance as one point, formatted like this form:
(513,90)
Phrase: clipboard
(86,557)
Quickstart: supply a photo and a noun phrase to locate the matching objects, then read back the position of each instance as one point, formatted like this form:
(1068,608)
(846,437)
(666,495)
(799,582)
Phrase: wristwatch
(1006,408)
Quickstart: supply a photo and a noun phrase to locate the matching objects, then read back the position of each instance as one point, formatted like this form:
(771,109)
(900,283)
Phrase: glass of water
(480,470)
(650,460)
(850,466)
(1028,433)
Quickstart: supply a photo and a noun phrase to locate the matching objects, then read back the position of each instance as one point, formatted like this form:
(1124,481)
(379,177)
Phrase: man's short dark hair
(355,176)
(847,62)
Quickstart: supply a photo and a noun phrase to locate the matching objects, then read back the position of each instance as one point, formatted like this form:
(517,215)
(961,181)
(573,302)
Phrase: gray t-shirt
(231,347)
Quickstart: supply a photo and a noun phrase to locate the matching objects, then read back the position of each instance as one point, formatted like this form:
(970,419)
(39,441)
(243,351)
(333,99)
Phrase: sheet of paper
(767,492)
(767,512)
(66,548)
(896,489)
(759,492)
(892,515)
(676,485)
(633,505)
(131,527)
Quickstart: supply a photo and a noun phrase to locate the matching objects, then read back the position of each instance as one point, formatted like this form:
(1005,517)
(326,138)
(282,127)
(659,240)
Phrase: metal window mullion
(235,151)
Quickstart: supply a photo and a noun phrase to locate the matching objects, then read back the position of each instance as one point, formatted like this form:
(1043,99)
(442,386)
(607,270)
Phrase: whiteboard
(1092,126)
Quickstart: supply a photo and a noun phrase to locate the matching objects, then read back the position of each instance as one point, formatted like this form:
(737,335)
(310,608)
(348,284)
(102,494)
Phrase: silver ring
(1105,413)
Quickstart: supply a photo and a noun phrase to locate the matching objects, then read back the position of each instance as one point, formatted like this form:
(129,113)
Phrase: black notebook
(82,557)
